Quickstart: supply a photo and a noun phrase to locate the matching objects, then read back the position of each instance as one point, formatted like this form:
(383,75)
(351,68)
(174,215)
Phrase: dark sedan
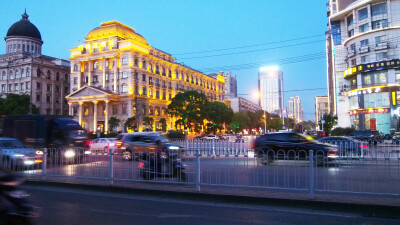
(348,147)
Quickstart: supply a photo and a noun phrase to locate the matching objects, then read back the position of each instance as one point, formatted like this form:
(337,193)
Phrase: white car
(102,145)
(211,137)
(14,153)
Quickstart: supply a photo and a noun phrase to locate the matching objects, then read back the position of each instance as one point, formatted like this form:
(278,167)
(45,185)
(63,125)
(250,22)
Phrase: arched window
(58,76)
(28,71)
(163,83)
(157,82)
(197,81)
(144,66)
(48,74)
(136,62)
(187,78)
(95,65)
(76,67)
(163,71)
(38,73)
(106,63)
(3,77)
(22,72)
(17,74)
(11,75)
(124,61)
(150,67)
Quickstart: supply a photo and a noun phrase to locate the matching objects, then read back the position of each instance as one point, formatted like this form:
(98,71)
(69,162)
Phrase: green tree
(113,123)
(218,113)
(148,121)
(130,123)
(189,108)
(257,119)
(240,121)
(163,123)
(17,104)
(330,121)
(275,123)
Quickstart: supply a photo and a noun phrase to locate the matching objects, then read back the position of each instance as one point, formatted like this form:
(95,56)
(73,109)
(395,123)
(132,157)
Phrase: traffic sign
(283,126)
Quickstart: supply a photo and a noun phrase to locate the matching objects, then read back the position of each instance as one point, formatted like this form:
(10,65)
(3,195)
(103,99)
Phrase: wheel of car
(127,155)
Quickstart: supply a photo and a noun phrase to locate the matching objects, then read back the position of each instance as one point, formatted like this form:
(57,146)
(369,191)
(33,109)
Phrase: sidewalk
(364,203)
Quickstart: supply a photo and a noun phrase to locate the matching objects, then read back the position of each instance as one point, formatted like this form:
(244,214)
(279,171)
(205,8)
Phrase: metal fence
(363,169)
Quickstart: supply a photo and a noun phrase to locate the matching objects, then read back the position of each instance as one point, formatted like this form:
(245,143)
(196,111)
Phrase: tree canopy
(240,121)
(218,113)
(113,122)
(16,104)
(189,107)
(130,123)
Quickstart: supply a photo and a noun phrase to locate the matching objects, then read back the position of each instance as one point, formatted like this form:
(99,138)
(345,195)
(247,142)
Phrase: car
(131,145)
(371,136)
(347,146)
(14,153)
(290,145)
(211,137)
(102,145)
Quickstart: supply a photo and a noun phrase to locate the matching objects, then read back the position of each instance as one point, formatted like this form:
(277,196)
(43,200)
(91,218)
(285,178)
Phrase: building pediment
(87,91)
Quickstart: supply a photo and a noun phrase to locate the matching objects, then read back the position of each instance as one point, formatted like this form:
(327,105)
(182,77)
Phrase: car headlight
(18,155)
(173,147)
(69,153)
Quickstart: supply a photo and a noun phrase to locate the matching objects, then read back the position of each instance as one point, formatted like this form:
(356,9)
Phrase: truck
(62,136)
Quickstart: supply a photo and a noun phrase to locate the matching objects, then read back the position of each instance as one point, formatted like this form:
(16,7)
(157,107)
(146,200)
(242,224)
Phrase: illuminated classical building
(24,70)
(116,73)
(363,63)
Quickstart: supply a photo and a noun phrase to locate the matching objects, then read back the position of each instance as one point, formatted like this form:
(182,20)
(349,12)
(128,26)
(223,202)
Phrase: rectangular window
(3,88)
(379,24)
(365,59)
(353,62)
(38,97)
(48,98)
(75,80)
(362,14)
(380,78)
(364,28)
(143,77)
(364,43)
(37,85)
(124,88)
(48,87)
(107,76)
(378,9)
(397,77)
(115,110)
(350,20)
(57,89)
(367,80)
(21,86)
(27,85)
(381,56)
(353,47)
(380,39)
(124,108)
(95,79)
(124,74)
(16,87)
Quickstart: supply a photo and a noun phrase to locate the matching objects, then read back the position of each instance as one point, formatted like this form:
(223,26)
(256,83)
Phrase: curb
(367,210)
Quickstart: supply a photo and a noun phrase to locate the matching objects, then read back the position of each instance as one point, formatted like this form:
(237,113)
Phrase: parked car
(396,138)
(131,145)
(14,153)
(370,136)
(102,145)
(279,145)
(211,137)
(348,147)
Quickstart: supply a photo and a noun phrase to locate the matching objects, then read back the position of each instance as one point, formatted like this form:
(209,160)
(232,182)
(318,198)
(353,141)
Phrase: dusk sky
(236,36)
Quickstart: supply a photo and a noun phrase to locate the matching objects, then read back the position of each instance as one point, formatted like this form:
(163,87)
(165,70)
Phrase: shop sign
(369,111)
(394,63)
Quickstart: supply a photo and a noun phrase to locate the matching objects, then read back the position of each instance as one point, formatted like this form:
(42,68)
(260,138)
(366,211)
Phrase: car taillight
(141,164)
(119,143)
(88,142)
(363,146)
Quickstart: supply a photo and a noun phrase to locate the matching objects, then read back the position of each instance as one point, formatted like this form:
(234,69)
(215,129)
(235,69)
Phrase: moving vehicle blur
(347,146)
(102,145)
(14,153)
(370,136)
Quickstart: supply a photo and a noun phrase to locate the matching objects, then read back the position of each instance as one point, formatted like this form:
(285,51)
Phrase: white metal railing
(358,169)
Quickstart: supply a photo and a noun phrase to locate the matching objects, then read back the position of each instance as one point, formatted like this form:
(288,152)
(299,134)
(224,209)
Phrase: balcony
(364,49)
(380,46)
(351,53)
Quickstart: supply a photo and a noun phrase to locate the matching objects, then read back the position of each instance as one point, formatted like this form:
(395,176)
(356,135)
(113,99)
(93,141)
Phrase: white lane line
(200,203)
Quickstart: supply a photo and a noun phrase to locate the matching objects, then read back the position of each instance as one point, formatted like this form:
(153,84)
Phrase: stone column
(104,73)
(89,73)
(106,118)
(71,109)
(80,111)
(115,74)
(95,116)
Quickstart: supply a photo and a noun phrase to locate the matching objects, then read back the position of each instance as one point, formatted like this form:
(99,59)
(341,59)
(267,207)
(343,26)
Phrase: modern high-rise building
(25,70)
(363,63)
(270,89)
(116,73)
(321,108)
(295,109)
(230,83)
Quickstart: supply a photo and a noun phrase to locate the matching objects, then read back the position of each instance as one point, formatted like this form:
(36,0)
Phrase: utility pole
(265,122)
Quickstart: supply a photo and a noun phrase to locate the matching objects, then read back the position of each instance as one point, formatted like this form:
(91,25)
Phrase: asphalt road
(84,207)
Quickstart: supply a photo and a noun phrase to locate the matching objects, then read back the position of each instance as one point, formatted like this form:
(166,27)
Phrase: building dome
(24,28)
(115,28)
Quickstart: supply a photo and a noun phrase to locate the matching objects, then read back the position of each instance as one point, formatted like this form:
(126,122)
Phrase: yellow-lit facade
(116,73)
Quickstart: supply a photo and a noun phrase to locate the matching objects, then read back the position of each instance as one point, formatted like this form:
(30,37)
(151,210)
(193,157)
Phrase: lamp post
(265,122)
